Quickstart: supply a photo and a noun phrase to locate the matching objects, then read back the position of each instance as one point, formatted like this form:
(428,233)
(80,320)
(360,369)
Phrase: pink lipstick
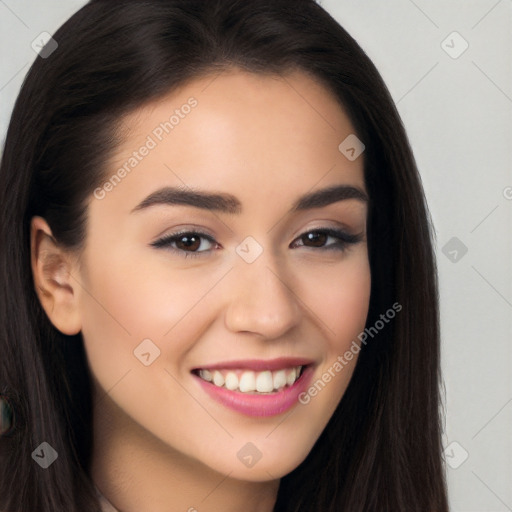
(256,403)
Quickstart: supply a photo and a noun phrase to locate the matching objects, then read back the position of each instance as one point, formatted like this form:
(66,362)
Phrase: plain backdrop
(448,66)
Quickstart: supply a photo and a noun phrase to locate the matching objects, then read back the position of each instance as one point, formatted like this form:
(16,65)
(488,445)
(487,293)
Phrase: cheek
(339,297)
(129,300)
(135,297)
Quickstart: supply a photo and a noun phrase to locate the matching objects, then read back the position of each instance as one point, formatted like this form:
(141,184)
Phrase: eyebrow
(229,204)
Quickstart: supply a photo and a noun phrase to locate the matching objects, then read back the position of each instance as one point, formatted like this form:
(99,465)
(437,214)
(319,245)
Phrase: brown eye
(190,242)
(187,242)
(317,239)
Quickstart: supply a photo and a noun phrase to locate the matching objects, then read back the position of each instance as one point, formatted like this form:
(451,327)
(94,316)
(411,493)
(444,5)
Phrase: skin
(161,444)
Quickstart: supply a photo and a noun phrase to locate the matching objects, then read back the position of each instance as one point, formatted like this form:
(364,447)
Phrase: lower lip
(259,405)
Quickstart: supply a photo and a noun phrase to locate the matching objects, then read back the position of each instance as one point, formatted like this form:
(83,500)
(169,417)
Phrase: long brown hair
(381,450)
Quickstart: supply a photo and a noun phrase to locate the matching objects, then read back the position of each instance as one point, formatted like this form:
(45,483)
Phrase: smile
(256,388)
(248,381)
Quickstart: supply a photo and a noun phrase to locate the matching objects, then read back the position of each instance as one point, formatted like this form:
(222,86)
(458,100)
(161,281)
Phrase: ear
(53,268)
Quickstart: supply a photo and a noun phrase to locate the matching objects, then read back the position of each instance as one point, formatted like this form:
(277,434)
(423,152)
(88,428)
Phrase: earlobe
(52,269)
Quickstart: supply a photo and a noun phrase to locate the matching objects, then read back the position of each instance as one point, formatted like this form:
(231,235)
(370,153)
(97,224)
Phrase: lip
(259,405)
(259,365)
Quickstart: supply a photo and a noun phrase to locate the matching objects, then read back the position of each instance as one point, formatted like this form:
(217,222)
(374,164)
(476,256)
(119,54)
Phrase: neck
(136,471)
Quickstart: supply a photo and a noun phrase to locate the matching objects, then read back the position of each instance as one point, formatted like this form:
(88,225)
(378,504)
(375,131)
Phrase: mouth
(265,382)
(256,388)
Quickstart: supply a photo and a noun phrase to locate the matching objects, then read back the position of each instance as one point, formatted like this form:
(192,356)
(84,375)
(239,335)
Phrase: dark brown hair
(381,450)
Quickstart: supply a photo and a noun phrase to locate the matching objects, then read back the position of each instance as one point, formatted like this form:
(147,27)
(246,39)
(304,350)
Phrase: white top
(106,506)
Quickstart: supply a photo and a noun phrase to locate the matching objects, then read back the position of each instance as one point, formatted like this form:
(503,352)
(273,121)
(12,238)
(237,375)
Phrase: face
(239,288)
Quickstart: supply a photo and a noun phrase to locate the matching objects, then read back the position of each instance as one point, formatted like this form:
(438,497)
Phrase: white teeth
(206,375)
(218,379)
(264,382)
(249,381)
(292,377)
(231,381)
(279,379)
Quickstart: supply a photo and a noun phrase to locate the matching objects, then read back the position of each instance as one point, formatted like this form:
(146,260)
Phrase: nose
(262,299)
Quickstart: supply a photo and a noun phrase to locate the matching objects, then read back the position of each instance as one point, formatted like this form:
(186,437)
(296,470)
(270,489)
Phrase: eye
(187,243)
(319,236)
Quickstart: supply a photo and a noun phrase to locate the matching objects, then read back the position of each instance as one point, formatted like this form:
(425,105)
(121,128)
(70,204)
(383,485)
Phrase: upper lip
(259,364)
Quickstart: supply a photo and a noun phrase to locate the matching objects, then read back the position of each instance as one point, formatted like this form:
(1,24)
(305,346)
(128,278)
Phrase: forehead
(263,137)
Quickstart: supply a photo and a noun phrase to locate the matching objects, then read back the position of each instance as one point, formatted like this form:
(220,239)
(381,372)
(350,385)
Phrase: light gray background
(457,112)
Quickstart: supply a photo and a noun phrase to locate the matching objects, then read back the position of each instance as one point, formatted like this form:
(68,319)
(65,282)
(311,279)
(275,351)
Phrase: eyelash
(346,240)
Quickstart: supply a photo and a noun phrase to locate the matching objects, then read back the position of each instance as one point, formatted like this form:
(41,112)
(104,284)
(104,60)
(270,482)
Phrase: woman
(218,283)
